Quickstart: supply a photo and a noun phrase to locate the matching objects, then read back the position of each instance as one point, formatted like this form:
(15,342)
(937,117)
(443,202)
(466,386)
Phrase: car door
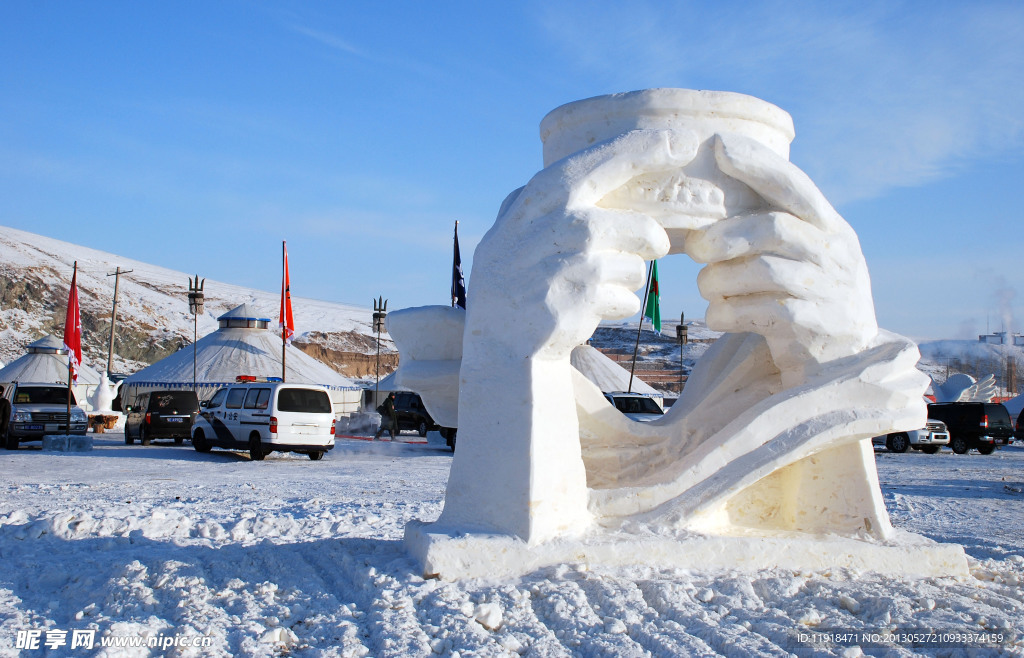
(133,421)
(231,414)
(255,414)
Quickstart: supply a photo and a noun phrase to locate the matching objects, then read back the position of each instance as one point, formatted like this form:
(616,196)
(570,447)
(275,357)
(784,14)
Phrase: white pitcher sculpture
(766,458)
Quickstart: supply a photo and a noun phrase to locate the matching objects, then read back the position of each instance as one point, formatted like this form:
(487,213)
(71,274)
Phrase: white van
(263,416)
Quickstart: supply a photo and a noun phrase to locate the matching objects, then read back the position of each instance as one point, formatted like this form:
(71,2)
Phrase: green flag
(653,310)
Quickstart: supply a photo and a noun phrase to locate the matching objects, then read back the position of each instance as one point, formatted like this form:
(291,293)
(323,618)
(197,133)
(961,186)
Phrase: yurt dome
(243,345)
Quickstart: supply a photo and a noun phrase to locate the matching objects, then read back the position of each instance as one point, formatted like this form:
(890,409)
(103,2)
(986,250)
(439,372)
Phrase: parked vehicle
(1018,430)
(263,416)
(983,426)
(38,409)
(928,439)
(636,406)
(412,415)
(161,415)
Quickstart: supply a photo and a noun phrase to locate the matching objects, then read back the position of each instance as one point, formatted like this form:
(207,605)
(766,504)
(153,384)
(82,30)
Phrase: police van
(265,414)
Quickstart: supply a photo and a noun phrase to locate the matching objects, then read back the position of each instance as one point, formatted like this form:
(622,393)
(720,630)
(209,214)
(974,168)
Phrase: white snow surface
(290,556)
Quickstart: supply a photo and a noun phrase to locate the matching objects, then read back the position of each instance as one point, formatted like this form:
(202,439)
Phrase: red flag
(286,322)
(73,328)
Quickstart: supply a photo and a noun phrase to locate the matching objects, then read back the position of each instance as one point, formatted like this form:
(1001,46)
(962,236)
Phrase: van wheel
(930,450)
(128,439)
(959,445)
(422,429)
(898,442)
(143,439)
(10,442)
(986,450)
(255,448)
(200,443)
(316,456)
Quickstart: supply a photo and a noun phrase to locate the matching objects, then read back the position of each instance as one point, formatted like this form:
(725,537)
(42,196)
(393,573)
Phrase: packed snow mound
(289,556)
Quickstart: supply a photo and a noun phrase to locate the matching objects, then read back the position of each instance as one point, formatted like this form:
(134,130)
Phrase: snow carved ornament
(771,436)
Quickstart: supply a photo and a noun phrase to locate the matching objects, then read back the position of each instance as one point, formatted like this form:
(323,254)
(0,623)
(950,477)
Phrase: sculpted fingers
(593,173)
(776,179)
(762,275)
(775,233)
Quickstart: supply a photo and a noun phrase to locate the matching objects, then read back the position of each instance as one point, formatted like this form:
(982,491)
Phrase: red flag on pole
(286,322)
(73,328)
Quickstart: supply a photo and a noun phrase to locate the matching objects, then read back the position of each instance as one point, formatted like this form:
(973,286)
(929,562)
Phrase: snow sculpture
(964,388)
(101,398)
(769,446)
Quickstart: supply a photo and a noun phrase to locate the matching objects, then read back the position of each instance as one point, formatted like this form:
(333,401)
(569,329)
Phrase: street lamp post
(195,307)
(380,312)
(682,335)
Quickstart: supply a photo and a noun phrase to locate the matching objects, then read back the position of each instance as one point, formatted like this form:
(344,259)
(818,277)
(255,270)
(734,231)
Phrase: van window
(258,398)
(180,400)
(304,400)
(235,397)
(217,399)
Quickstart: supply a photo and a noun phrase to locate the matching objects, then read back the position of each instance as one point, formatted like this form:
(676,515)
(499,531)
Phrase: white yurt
(608,375)
(243,345)
(46,360)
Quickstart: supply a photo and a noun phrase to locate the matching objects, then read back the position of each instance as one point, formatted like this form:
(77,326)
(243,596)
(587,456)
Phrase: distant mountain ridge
(152,311)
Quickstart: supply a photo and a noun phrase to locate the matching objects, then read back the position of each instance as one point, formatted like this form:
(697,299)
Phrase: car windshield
(42,395)
(303,400)
(637,405)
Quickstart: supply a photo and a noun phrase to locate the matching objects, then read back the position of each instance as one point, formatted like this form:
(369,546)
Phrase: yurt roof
(47,342)
(245,312)
(606,374)
(225,354)
(46,366)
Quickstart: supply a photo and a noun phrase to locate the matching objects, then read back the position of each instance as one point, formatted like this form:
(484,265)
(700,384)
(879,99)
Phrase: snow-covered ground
(290,556)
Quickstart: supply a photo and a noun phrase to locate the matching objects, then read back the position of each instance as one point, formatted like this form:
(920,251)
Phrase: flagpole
(74,277)
(284,329)
(453,263)
(643,309)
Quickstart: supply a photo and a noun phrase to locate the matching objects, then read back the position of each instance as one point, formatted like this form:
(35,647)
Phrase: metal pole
(195,338)
(67,423)
(284,317)
(640,325)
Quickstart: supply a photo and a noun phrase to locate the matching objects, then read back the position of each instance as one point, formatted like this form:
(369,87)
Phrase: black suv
(412,415)
(980,425)
(161,415)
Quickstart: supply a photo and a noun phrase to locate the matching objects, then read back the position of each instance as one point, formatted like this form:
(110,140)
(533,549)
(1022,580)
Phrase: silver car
(928,439)
(40,409)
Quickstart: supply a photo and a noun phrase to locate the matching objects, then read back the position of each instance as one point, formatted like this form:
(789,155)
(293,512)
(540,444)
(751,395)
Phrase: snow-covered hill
(152,311)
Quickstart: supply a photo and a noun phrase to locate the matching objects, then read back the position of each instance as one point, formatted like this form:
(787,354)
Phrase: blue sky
(198,135)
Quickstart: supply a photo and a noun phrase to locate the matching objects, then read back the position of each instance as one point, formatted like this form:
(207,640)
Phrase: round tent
(242,345)
(608,375)
(46,360)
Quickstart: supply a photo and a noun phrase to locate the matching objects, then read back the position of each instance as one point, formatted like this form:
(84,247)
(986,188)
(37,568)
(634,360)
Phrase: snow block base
(67,443)
(451,554)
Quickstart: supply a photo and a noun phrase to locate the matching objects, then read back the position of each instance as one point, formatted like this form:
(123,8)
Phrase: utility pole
(113,315)
(380,312)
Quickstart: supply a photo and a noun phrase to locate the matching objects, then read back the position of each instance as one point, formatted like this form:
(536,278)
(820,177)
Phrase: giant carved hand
(793,273)
(554,263)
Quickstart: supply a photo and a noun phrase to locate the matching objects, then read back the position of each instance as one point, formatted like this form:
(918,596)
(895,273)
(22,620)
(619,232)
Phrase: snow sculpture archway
(768,449)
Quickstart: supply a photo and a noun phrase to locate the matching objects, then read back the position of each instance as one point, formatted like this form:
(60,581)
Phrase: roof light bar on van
(244,379)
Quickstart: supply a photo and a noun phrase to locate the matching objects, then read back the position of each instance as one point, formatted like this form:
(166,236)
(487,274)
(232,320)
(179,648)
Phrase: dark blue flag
(458,279)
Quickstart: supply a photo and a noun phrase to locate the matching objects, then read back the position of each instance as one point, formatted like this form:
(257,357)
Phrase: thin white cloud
(883,95)
(329,40)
